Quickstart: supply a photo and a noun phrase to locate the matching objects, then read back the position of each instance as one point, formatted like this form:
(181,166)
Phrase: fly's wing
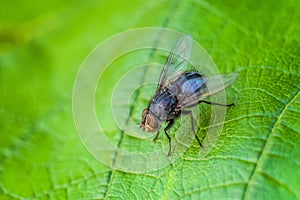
(177,62)
(214,84)
(218,83)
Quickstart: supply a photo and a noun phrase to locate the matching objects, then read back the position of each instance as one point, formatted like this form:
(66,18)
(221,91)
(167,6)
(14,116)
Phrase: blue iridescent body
(178,89)
(167,103)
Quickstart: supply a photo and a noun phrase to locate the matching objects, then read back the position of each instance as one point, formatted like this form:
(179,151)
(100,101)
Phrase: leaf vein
(110,176)
(267,143)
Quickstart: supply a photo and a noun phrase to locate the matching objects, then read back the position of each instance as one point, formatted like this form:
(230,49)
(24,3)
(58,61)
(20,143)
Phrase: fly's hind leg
(170,124)
(189,112)
(214,103)
(207,102)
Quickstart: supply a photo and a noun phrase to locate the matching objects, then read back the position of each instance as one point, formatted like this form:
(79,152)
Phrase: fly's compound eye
(144,113)
(149,119)
(152,123)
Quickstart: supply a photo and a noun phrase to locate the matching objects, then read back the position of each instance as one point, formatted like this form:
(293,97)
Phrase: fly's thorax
(162,104)
(173,89)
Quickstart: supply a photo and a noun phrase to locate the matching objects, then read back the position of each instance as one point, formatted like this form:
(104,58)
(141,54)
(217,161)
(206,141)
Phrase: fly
(179,89)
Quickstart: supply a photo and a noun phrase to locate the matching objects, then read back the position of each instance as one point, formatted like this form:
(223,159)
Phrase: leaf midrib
(111,174)
(260,159)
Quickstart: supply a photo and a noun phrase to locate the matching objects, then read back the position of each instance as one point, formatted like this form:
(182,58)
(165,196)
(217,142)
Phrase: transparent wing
(214,84)
(177,61)
(218,83)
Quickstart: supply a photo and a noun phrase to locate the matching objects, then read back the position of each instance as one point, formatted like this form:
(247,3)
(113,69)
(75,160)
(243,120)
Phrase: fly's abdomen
(190,84)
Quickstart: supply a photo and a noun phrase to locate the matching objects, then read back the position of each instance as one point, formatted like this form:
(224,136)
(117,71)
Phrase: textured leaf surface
(42,46)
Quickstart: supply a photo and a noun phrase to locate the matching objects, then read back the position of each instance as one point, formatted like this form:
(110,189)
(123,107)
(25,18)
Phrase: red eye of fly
(144,113)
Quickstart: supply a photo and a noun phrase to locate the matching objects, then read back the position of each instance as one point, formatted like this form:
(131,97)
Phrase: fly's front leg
(154,139)
(170,124)
(189,112)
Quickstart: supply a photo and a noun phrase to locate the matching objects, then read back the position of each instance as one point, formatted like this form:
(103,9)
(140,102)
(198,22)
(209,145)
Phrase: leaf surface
(42,46)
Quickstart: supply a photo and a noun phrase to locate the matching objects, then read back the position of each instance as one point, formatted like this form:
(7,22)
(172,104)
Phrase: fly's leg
(170,124)
(207,102)
(156,136)
(213,103)
(189,112)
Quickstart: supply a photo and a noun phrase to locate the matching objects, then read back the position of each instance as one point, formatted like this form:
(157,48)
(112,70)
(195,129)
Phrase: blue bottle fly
(179,89)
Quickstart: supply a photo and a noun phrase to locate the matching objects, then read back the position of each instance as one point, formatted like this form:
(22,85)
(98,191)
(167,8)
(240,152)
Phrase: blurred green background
(42,45)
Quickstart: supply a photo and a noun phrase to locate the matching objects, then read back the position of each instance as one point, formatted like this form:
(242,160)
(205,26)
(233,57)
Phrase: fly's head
(150,122)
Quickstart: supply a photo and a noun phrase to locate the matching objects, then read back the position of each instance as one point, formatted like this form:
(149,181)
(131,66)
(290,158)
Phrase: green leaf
(42,46)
